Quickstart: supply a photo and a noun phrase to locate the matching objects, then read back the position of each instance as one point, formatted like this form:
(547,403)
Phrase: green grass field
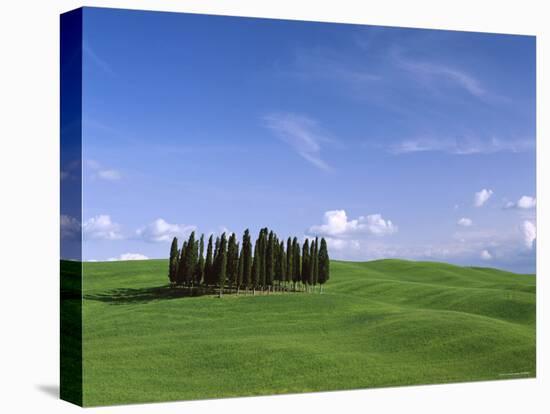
(380,323)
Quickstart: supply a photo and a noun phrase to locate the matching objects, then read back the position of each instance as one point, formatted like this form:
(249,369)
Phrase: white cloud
(486,255)
(465,222)
(481,197)
(529,231)
(101,227)
(70,226)
(162,231)
(336,224)
(301,134)
(524,203)
(349,246)
(127,256)
(98,171)
(110,175)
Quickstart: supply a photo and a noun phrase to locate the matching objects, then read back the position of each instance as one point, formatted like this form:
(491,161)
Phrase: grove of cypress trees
(269,266)
(324,264)
(173,263)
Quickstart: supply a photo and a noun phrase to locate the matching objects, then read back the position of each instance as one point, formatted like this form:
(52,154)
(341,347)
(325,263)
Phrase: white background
(29,193)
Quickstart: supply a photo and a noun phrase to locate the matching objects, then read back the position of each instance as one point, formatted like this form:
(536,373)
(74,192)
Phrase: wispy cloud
(99,171)
(324,64)
(301,133)
(434,72)
(465,222)
(98,61)
(461,145)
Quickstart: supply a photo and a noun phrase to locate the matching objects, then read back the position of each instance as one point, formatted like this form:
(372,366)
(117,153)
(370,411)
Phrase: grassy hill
(379,323)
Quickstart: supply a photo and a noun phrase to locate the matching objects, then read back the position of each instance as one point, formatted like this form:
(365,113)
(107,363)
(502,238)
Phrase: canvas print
(259,206)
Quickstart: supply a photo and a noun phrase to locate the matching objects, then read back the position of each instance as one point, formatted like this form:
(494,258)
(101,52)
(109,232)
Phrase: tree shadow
(144,295)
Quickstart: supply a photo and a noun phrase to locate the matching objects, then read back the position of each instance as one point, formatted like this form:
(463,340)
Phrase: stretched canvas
(257,206)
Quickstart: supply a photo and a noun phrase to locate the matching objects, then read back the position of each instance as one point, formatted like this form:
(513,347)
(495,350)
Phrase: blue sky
(389,142)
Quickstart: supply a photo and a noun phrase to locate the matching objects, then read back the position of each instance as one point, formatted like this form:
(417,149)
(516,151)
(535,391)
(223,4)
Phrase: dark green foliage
(270,260)
(296,265)
(305,262)
(315,269)
(199,271)
(289,261)
(256,265)
(324,263)
(228,263)
(221,263)
(280,271)
(173,261)
(208,264)
(180,276)
(232,260)
(247,259)
(240,270)
(262,256)
(311,265)
(191,257)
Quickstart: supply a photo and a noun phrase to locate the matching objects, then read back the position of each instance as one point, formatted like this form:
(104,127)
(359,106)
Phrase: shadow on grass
(145,295)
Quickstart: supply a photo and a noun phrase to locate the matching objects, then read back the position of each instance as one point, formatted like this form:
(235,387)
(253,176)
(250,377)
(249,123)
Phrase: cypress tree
(289,256)
(222,263)
(324,264)
(247,259)
(173,263)
(191,259)
(182,264)
(208,263)
(311,265)
(296,275)
(262,256)
(305,262)
(280,270)
(256,266)
(270,260)
(232,260)
(316,262)
(240,271)
(199,271)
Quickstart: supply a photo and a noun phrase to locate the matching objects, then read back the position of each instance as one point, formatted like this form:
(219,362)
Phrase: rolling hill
(379,323)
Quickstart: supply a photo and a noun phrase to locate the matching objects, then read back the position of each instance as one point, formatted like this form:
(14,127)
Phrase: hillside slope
(380,323)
